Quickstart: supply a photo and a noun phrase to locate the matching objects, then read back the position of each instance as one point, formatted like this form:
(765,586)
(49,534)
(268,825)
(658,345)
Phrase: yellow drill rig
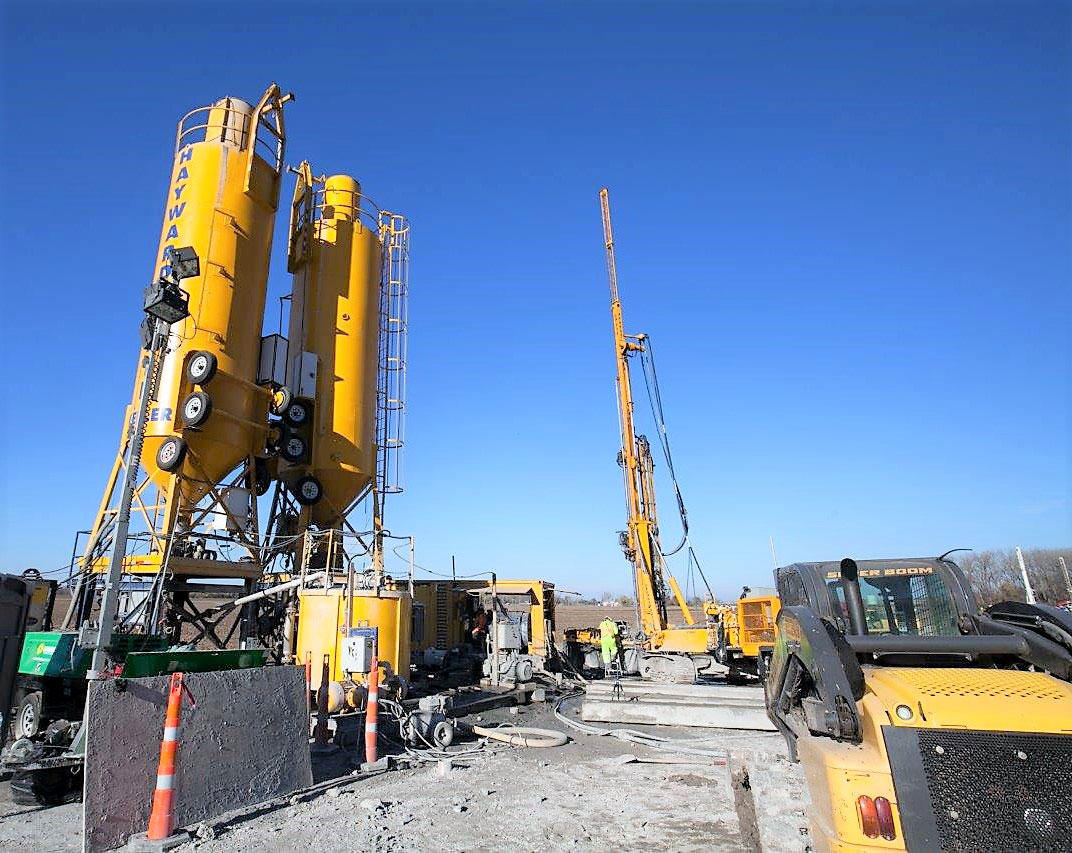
(666,652)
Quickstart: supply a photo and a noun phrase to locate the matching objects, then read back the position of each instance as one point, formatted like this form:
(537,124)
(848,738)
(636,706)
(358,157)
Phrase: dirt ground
(593,793)
(590,794)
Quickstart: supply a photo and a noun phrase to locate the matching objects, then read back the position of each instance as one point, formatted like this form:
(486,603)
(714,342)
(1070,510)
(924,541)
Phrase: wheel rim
(27,719)
(310,490)
(193,408)
(199,366)
(295,447)
(297,414)
(168,452)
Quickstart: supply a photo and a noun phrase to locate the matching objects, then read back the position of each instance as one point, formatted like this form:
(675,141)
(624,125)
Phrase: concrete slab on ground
(718,706)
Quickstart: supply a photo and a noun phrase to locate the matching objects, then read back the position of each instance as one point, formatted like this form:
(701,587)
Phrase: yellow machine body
(838,772)
(444,607)
(221,201)
(749,623)
(335,258)
(322,621)
(689,640)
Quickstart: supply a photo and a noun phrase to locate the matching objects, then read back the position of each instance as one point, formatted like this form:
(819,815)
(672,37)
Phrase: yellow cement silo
(335,256)
(209,414)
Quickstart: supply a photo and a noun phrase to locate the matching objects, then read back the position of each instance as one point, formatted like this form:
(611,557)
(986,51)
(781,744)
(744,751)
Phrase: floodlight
(166,302)
(183,263)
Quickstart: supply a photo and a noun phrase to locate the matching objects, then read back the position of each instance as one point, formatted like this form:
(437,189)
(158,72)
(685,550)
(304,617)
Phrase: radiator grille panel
(997,790)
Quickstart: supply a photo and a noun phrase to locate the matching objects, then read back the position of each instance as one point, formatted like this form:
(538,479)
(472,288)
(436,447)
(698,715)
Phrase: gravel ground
(588,794)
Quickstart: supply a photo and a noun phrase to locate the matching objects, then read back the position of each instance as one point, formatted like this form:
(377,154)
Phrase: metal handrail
(367,211)
(189,134)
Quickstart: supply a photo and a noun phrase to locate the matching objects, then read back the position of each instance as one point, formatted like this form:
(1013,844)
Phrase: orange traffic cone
(372,712)
(162,818)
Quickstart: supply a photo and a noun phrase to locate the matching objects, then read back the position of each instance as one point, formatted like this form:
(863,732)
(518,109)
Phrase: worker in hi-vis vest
(608,635)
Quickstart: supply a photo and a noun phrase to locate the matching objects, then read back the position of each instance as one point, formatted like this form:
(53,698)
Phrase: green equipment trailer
(43,688)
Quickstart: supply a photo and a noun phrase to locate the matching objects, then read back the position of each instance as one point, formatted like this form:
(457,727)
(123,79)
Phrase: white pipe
(1027,580)
(275,590)
(523,736)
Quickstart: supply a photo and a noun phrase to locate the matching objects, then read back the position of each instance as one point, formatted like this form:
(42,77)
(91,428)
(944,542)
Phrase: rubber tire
(281,399)
(299,490)
(286,451)
(298,413)
(30,706)
(203,412)
(209,364)
(443,734)
(177,455)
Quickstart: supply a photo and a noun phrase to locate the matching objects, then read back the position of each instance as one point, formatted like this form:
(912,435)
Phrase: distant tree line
(995,575)
(605,598)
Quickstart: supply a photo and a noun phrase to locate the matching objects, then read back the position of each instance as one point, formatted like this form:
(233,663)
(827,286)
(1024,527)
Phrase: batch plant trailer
(219,414)
(43,686)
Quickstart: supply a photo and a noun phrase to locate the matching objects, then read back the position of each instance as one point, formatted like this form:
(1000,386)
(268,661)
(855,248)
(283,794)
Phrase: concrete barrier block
(245,742)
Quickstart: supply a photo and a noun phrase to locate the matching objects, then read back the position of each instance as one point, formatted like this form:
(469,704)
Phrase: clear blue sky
(846,226)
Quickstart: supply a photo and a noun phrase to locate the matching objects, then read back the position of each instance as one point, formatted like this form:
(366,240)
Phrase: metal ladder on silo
(391,378)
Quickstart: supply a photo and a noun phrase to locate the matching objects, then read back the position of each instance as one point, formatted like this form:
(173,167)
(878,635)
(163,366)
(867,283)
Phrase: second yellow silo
(334,333)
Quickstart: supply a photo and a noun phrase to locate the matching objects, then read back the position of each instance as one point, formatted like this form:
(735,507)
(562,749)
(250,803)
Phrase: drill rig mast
(667,652)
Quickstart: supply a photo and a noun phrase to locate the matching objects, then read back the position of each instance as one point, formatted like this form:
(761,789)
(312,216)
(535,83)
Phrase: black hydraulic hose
(699,568)
(655,400)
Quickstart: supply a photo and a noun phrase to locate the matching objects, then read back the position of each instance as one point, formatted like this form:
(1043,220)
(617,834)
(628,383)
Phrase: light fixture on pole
(165,300)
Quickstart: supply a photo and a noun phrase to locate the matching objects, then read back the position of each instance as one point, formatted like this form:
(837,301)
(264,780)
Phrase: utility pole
(1068,581)
(1027,580)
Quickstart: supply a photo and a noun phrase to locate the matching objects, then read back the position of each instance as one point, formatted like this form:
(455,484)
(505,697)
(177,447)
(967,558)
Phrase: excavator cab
(921,721)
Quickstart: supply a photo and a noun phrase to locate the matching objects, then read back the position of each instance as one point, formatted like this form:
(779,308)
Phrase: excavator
(922,722)
(666,652)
